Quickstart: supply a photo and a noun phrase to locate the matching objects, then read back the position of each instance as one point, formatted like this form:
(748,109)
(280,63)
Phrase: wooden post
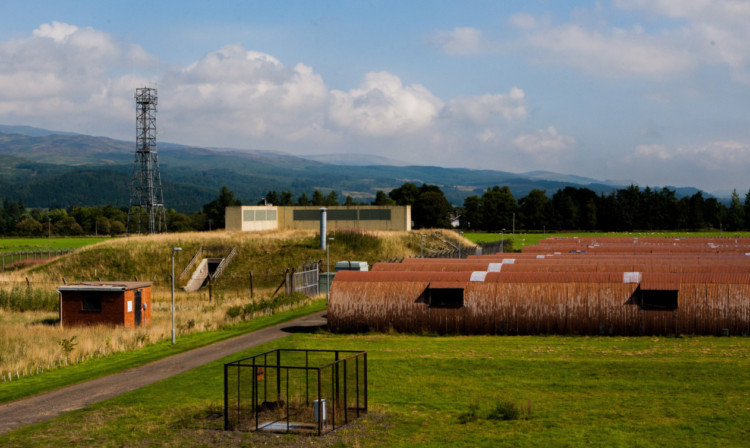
(291,282)
(251,284)
(283,283)
(28,284)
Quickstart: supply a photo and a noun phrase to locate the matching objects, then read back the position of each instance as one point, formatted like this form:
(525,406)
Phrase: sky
(654,92)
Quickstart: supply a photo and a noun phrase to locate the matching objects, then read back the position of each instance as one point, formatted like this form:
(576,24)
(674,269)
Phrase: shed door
(138,308)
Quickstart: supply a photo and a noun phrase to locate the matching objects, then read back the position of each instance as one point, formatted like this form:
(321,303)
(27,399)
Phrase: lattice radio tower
(146,197)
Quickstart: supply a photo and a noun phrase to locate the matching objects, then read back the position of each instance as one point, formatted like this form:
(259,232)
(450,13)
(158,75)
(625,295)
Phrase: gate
(307,282)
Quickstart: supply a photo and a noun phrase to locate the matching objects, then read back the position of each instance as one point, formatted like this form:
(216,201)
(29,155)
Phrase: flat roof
(104,286)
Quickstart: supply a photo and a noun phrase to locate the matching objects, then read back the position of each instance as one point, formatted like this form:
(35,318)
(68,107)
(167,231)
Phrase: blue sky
(650,91)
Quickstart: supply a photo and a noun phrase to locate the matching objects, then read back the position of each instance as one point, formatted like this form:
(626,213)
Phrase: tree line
(626,209)
(16,219)
(570,208)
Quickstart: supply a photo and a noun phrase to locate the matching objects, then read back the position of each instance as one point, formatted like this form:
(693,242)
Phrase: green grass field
(519,240)
(31,244)
(581,391)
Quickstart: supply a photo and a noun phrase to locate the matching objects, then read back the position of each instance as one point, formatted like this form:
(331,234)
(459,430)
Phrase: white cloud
(383,106)
(481,108)
(459,41)
(615,53)
(245,95)
(685,35)
(716,32)
(56,31)
(81,79)
(711,156)
(653,151)
(544,143)
(523,21)
(65,76)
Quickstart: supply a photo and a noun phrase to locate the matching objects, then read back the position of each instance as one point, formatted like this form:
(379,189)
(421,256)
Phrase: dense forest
(570,208)
(625,209)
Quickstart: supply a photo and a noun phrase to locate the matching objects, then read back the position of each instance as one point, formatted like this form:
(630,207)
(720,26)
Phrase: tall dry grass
(30,340)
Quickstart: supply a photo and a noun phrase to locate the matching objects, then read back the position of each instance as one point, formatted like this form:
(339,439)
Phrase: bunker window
(659,299)
(92,303)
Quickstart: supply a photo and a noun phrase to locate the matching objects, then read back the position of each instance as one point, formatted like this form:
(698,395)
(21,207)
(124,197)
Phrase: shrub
(504,410)
(67,345)
(234,311)
(470,415)
(356,240)
(268,303)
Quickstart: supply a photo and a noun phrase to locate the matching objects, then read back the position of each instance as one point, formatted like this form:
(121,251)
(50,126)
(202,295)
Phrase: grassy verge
(529,239)
(457,391)
(124,360)
(30,244)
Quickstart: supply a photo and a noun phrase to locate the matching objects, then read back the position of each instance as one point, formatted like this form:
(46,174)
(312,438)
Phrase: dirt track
(50,404)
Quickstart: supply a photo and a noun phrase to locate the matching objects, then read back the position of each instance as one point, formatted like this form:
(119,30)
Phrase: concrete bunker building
(271,217)
(109,303)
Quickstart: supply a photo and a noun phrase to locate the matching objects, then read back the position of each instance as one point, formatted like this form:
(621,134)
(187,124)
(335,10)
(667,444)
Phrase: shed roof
(104,286)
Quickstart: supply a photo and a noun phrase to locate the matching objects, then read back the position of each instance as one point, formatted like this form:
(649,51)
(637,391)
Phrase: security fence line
(12,259)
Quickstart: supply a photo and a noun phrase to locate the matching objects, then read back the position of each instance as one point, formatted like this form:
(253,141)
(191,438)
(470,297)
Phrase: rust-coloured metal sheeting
(619,286)
(437,267)
(374,276)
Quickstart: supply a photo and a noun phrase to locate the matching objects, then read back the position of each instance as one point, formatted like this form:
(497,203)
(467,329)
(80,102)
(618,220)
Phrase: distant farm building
(602,286)
(365,217)
(110,303)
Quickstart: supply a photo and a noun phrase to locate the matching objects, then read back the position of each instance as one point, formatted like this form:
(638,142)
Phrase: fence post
(226,400)
(251,284)
(292,285)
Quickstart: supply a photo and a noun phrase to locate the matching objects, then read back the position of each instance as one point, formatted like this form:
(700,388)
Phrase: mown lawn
(520,240)
(581,391)
(31,244)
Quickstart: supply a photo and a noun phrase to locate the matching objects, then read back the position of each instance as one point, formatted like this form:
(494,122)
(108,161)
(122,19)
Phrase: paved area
(48,405)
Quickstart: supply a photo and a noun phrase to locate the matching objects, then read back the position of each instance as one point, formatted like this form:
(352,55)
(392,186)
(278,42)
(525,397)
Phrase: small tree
(29,226)
(67,345)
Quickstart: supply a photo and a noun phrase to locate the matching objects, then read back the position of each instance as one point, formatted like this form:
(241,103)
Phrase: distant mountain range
(60,169)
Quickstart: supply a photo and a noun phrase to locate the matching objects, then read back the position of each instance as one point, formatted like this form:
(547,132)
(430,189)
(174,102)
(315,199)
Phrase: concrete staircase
(207,268)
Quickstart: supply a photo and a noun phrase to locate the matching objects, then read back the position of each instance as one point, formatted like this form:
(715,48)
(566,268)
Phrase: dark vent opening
(446,298)
(659,300)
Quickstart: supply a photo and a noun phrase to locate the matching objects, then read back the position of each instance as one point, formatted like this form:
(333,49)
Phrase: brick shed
(111,303)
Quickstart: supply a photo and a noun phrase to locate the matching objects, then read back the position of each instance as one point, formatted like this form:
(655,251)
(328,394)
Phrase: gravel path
(48,405)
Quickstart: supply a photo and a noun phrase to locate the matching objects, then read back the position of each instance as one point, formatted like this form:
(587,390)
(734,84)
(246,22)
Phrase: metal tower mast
(146,197)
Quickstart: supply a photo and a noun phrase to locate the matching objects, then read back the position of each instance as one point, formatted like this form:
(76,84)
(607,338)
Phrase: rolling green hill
(48,169)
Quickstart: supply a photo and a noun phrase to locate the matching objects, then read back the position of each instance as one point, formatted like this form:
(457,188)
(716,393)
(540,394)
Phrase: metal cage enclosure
(295,391)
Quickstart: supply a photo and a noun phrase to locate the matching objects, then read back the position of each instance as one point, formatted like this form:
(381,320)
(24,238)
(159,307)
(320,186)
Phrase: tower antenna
(146,212)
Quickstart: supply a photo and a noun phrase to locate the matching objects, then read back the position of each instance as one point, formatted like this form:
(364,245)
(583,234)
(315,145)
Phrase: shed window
(92,303)
(659,299)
